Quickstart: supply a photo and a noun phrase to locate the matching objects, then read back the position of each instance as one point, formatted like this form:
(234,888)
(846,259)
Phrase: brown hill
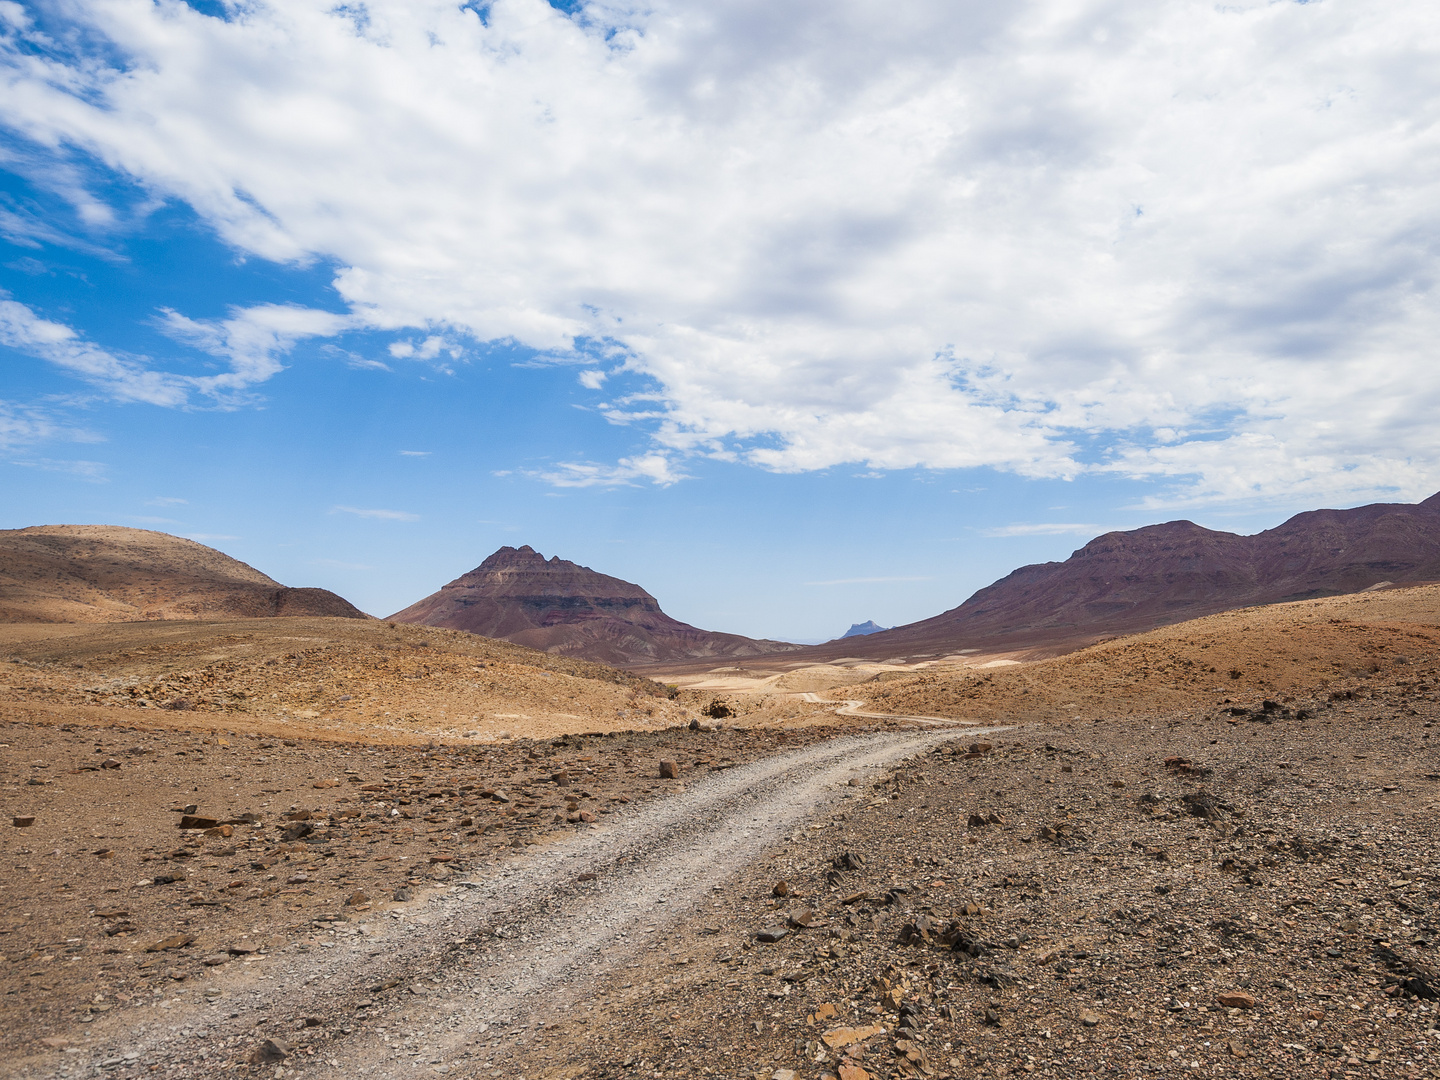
(560,607)
(107,573)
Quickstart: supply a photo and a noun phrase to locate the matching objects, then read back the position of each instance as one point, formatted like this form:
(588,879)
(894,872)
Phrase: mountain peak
(562,607)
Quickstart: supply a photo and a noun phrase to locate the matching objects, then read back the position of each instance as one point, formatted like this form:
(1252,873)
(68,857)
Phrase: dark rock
(174,941)
(771,934)
(270,1052)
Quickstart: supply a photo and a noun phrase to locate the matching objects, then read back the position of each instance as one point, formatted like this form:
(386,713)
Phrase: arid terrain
(295,846)
(108,573)
(1125,583)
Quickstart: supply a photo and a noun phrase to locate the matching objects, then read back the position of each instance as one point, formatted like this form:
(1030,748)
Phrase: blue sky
(797,315)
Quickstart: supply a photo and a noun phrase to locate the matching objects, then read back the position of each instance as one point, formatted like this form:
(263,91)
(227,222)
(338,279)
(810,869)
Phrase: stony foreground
(1236,895)
(1250,888)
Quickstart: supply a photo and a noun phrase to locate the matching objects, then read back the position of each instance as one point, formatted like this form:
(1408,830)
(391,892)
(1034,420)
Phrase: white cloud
(1043,529)
(94,471)
(21,425)
(938,234)
(124,378)
(167,500)
(252,340)
(381,515)
(656,468)
(416,453)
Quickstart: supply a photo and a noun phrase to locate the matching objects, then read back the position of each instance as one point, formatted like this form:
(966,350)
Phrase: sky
(796,313)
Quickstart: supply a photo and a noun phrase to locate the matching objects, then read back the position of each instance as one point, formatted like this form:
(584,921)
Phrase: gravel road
(459,983)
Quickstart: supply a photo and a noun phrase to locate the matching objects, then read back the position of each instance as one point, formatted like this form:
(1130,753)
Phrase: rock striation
(108,573)
(561,607)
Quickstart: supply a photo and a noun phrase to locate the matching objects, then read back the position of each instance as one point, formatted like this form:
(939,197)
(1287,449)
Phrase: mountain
(107,573)
(1128,582)
(560,607)
(861,629)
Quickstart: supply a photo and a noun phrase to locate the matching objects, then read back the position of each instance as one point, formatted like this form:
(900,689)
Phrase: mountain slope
(107,573)
(1124,582)
(560,607)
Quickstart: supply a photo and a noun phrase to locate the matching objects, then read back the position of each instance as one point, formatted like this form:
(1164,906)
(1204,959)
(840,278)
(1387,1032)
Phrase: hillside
(558,606)
(1129,582)
(107,573)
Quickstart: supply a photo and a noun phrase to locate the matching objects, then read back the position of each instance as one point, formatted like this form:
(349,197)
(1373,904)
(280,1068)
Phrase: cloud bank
(1186,242)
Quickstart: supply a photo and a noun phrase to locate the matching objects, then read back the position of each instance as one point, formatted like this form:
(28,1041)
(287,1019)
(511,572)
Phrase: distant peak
(861,629)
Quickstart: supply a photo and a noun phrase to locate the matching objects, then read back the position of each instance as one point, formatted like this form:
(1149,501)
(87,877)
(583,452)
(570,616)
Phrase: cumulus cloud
(252,340)
(1191,243)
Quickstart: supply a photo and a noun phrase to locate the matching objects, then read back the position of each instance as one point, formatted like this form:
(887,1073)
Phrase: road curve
(852,708)
(504,950)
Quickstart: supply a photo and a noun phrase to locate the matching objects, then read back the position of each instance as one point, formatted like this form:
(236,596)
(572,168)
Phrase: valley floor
(1241,887)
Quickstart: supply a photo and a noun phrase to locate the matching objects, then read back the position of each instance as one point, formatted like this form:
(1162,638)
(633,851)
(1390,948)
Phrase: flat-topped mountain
(1126,582)
(561,607)
(108,573)
(1130,582)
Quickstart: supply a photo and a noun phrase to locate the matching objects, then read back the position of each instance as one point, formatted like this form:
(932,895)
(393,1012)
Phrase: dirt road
(852,707)
(457,984)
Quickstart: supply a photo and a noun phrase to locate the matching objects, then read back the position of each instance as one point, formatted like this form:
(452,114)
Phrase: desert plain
(326,846)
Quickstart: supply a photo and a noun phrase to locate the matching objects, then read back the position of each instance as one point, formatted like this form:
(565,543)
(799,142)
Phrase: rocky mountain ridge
(558,606)
(1129,582)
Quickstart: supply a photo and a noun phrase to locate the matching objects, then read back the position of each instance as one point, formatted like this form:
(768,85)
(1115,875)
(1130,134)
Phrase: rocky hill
(560,607)
(107,573)
(1128,582)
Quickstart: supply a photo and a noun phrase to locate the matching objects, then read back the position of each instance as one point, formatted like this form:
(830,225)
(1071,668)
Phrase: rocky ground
(1182,893)
(136,862)
(1236,876)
